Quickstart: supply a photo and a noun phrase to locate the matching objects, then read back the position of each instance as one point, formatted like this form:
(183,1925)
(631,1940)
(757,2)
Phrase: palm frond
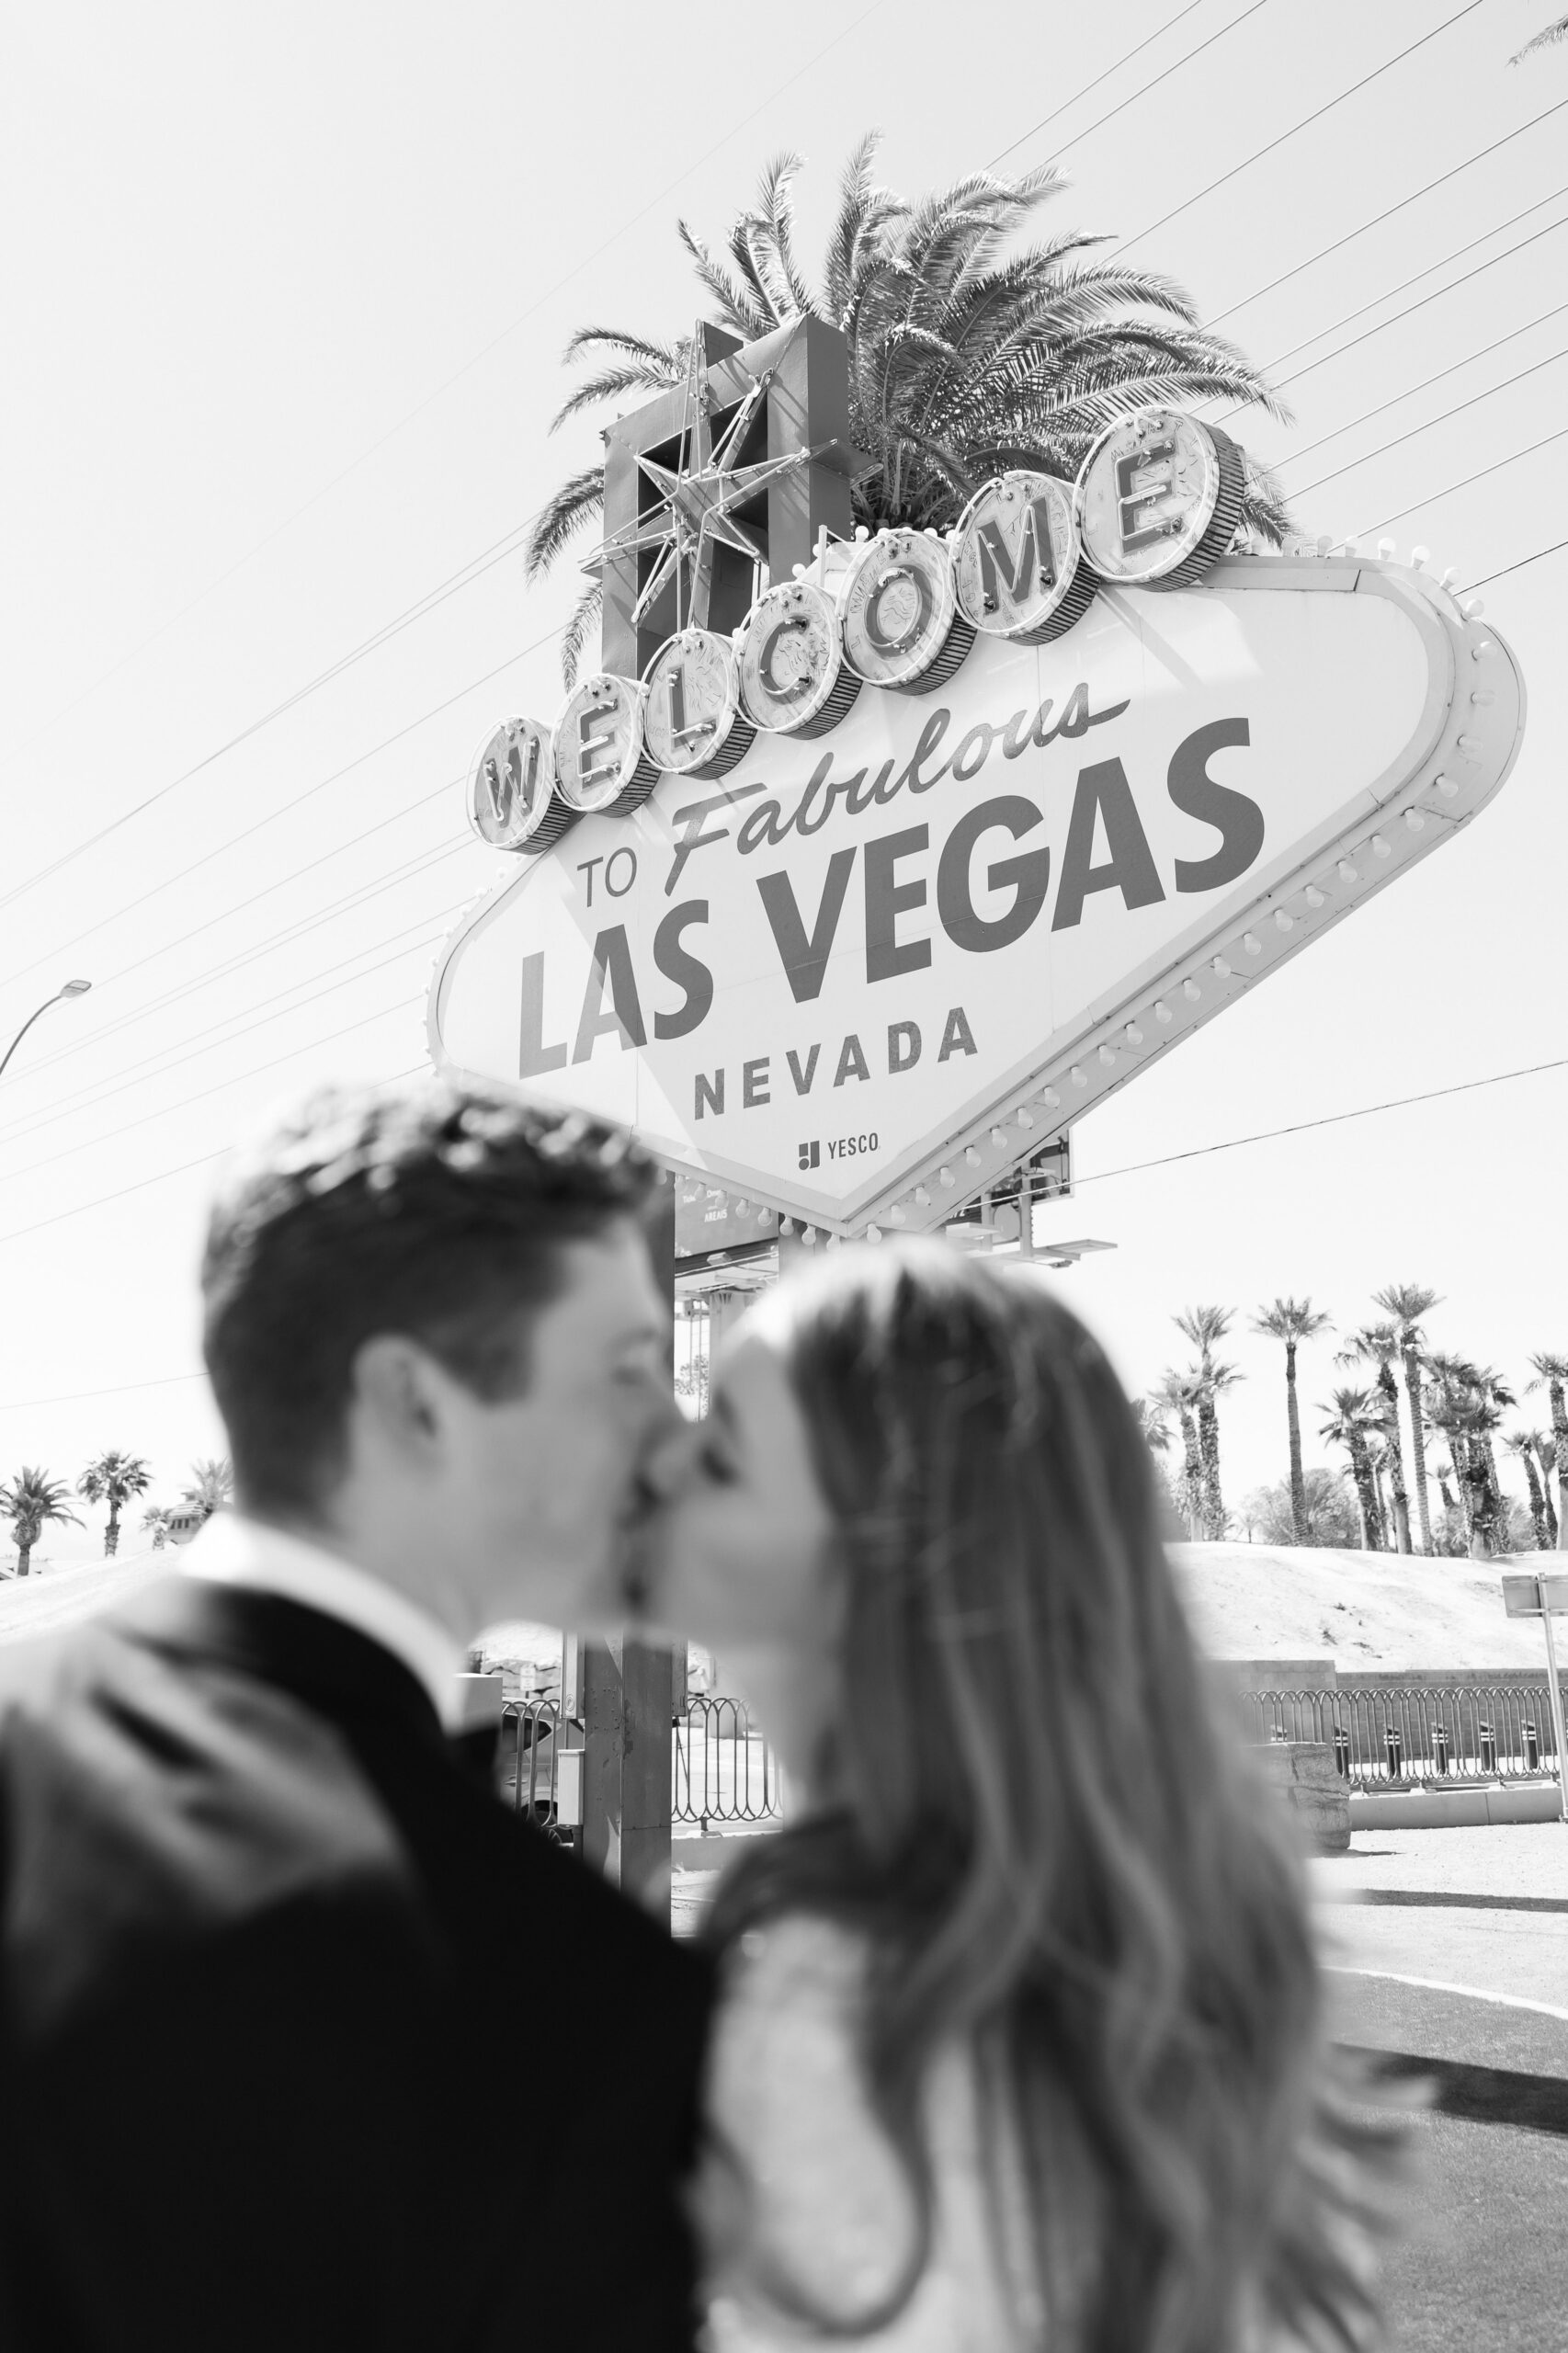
(1543,39)
(738,306)
(577,501)
(583,621)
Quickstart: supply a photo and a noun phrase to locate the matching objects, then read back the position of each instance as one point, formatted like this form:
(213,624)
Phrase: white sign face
(855,980)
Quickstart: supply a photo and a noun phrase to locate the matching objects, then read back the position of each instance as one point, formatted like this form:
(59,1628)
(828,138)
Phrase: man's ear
(400,1390)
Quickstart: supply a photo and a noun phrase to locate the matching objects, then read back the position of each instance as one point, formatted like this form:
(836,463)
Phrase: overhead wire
(469,364)
(1329,1119)
(1525,560)
(1363,228)
(1122,104)
(209,1041)
(1306,123)
(296,929)
(166,1111)
(162,1176)
(1426,424)
(1389,293)
(371,644)
(1410,390)
(234,1078)
(233,841)
(1429,498)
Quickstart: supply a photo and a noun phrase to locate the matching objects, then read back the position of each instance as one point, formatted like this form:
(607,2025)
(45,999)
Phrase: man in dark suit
(305,2041)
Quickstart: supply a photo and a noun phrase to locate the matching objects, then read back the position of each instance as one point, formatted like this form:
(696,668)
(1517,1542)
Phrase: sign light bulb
(1283,922)
(1252,943)
(999,1139)
(1076,1075)
(1221,969)
(971,1158)
(1191,991)
(1379,848)
(1162,1013)
(946,1179)
(1314,896)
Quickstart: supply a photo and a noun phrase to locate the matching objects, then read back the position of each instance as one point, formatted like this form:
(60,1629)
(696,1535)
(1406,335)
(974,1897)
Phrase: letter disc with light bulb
(512,800)
(692,723)
(601,764)
(794,679)
(1158,499)
(899,613)
(1017,560)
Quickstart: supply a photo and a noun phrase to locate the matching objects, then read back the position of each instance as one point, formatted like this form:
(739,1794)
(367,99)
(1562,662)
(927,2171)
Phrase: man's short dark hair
(434,1209)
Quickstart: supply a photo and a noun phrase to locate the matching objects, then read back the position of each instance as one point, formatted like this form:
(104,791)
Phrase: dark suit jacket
(305,2041)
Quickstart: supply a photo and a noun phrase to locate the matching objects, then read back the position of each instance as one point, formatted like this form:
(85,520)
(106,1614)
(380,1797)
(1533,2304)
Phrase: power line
(1555,549)
(164,1175)
(1378,219)
(205,1042)
(183,1102)
(79,1396)
(349,902)
(1307,119)
(1410,390)
(1099,124)
(482,354)
(1330,1119)
(427,604)
(1409,312)
(1427,425)
(233,1078)
(1431,497)
(233,841)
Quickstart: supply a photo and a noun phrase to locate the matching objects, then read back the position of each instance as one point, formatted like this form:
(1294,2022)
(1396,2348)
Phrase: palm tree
(1293,1320)
(1557,30)
(213,1484)
(1546,1456)
(967,352)
(1205,1326)
(1463,1402)
(1352,1423)
(1379,1344)
(1153,1422)
(157,1517)
(31,1499)
(1551,1374)
(1405,1304)
(1177,1394)
(1524,1443)
(114,1478)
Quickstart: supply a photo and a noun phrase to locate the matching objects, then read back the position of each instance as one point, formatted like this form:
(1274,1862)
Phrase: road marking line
(1442,1985)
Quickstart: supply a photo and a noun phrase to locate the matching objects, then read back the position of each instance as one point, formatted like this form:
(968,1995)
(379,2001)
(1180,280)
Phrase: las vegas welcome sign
(853,966)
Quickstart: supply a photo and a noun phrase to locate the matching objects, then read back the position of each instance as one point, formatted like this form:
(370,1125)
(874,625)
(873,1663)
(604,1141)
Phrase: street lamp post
(71,988)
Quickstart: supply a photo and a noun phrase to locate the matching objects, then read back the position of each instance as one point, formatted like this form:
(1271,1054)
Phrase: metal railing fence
(721,1768)
(724,1771)
(1399,1736)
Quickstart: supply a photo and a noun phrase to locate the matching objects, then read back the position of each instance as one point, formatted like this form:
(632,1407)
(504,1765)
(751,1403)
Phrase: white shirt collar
(233,1550)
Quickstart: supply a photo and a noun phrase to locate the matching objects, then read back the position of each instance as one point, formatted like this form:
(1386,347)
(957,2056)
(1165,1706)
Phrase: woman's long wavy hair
(1055,1856)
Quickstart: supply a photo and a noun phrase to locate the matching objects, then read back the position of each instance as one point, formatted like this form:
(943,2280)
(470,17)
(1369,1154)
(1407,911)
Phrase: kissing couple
(1011,2039)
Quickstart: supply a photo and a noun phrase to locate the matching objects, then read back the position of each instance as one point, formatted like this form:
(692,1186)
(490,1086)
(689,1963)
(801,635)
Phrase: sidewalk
(1484,1910)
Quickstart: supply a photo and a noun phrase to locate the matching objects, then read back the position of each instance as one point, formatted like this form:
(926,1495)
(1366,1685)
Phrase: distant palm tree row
(1410,1393)
(34,1499)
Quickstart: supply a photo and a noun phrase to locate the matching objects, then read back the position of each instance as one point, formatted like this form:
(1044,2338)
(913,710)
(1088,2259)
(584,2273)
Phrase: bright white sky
(287,293)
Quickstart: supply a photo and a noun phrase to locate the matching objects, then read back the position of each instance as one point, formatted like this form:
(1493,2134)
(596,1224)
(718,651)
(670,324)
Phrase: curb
(1455,1809)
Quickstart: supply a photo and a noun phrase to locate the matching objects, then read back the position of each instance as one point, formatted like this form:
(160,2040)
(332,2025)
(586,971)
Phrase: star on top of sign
(697,496)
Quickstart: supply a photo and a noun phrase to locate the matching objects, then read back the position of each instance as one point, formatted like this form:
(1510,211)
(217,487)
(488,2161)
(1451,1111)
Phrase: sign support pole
(1554,1690)
(627,1707)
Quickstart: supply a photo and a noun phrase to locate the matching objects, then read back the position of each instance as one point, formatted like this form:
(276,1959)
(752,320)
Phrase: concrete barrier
(1429,1809)
(1305,1775)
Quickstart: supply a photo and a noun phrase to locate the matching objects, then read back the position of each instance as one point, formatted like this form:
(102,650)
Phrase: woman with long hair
(1021,2042)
